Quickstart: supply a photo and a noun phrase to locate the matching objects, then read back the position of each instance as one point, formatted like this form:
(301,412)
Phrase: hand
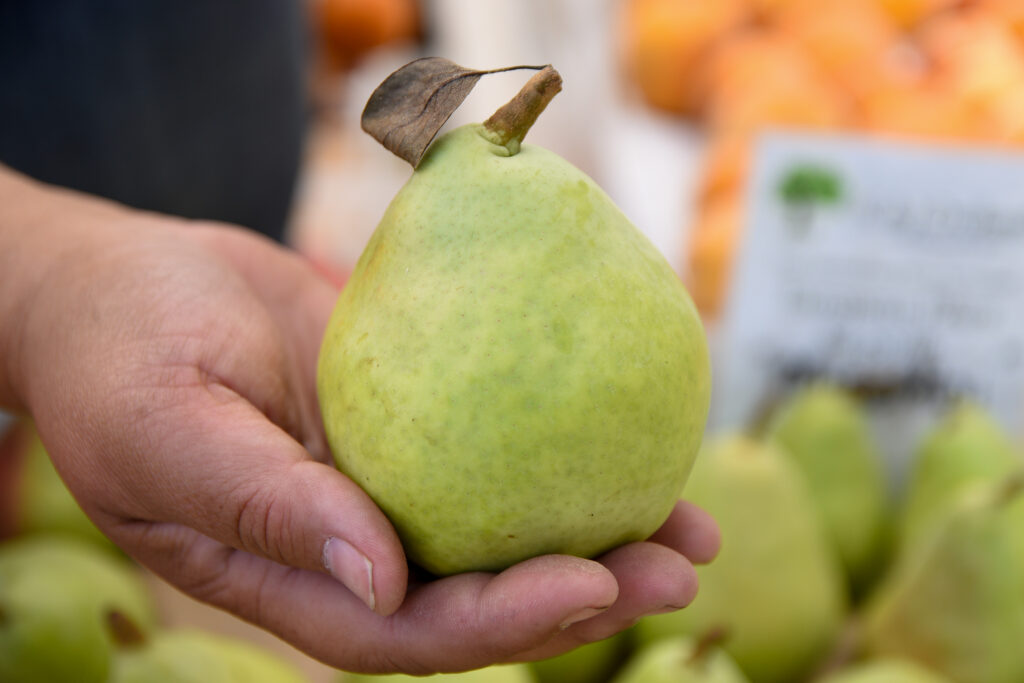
(170,369)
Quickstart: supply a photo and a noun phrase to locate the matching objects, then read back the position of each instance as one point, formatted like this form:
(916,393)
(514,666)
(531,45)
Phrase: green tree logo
(806,188)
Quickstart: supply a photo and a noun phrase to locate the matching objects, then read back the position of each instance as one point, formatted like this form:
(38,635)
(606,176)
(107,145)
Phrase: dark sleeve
(190,107)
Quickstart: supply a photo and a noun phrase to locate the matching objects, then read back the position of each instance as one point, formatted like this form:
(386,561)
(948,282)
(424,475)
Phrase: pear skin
(965,447)
(776,587)
(824,430)
(886,671)
(45,504)
(502,673)
(55,593)
(955,601)
(193,656)
(677,660)
(513,369)
(590,663)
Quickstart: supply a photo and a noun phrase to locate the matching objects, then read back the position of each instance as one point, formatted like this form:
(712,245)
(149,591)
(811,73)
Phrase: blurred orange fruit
(726,165)
(1004,120)
(848,41)
(664,41)
(711,249)
(924,111)
(909,13)
(349,29)
(1009,12)
(769,10)
(976,56)
(756,54)
(763,78)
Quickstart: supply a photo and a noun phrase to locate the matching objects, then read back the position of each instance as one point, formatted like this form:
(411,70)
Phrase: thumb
(236,477)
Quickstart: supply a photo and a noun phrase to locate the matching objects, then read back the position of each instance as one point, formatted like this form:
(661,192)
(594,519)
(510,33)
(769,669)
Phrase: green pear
(679,659)
(44,503)
(1014,514)
(828,436)
(55,596)
(955,601)
(885,671)
(590,663)
(965,447)
(193,656)
(776,587)
(502,673)
(513,369)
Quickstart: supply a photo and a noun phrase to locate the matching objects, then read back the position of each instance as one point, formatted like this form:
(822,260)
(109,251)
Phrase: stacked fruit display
(819,569)
(74,608)
(938,70)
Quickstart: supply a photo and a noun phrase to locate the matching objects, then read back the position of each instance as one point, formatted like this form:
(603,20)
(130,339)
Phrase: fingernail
(351,568)
(581,615)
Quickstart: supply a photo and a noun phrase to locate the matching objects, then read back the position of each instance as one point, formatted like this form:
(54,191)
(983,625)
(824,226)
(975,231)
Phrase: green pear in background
(886,671)
(55,597)
(955,601)
(776,587)
(829,438)
(679,659)
(44,503)
(503,673)
(513,369)
(193,656)
(965,447)
(1014,519)
(590,663)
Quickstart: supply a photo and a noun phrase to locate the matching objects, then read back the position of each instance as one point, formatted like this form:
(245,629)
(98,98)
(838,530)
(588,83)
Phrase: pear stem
(508,126)
(124,631)
(848,644)
(1010,488)
(707,644)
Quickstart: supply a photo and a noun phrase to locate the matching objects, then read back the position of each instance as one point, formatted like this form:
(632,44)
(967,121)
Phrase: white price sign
(895,268)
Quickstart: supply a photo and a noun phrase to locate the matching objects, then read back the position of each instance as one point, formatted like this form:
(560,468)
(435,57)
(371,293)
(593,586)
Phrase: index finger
(691,531)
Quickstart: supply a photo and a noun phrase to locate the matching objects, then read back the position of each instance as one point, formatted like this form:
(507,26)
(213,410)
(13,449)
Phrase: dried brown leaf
(405,112)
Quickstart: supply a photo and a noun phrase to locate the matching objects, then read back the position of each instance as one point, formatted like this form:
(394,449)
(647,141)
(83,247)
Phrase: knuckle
(211,585)
(262,524)
(204,573)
